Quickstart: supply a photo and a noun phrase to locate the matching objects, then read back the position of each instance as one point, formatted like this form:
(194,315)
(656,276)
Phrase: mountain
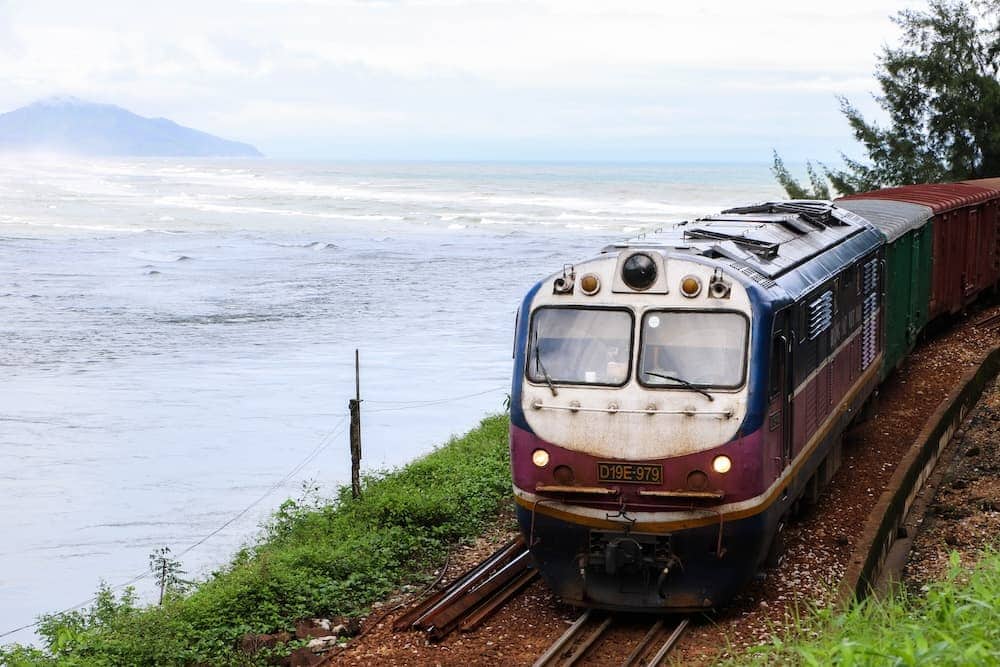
(78,127)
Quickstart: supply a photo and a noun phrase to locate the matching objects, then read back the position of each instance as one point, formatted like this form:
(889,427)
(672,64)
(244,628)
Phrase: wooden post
(163,578)
(355,407)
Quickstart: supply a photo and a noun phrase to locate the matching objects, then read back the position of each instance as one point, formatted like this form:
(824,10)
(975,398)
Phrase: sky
(644,80)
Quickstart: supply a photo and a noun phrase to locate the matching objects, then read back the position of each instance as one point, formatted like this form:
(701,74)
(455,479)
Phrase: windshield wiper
(684,383)
(541,367)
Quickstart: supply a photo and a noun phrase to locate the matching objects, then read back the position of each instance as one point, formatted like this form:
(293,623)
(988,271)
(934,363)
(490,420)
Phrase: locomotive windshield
(580,346)
(683,347)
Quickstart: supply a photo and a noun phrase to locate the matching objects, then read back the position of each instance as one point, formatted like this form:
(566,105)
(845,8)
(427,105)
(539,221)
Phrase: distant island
(77,127)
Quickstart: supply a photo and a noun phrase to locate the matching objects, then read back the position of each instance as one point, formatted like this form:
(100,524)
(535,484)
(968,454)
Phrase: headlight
(540,458)
(639,271)
(720,464)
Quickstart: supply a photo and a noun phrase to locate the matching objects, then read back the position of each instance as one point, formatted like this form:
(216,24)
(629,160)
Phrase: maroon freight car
(965,259)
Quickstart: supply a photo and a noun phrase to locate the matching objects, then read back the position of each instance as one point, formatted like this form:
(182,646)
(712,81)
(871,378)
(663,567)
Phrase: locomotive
(675,396)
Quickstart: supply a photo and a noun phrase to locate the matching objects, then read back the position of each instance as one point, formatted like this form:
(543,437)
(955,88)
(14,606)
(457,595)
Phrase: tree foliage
(167,572)
(940,92)
(820,190)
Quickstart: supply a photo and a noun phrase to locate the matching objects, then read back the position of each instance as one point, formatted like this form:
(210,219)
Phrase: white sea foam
(204,203)
(82,227)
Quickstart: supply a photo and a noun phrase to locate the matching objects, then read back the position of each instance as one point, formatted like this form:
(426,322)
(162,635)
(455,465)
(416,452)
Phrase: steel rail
(643,645)
(440,622)
(582,649)
(574,644)
(476,618)
(555,651)
(412,618)
(668,644)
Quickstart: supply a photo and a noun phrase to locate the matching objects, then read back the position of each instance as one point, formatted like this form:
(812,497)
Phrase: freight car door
(972,255)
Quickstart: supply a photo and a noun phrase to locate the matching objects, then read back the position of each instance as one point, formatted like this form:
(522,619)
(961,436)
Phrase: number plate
(630,473)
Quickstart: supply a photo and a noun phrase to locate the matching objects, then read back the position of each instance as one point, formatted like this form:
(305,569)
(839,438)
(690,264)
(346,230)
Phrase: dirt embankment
(963,517)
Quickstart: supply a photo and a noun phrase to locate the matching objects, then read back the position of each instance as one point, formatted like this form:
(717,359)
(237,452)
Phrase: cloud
(412,70)
(250,116)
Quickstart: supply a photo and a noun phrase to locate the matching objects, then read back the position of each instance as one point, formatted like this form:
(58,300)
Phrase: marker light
(690,286)
(540,458)
(697,480)
(563,474)
(720,464)
(639,271)
(589,284)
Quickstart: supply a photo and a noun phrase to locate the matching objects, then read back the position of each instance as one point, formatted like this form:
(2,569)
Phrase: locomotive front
(637,473)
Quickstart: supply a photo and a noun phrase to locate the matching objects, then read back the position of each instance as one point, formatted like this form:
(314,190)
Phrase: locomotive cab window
(700,348)
(580,346)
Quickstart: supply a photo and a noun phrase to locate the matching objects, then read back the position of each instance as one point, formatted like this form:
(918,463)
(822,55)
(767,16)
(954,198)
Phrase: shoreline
(315,560)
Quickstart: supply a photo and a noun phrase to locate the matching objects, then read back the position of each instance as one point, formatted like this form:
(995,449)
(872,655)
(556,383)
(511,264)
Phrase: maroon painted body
(746,480)
(823,392)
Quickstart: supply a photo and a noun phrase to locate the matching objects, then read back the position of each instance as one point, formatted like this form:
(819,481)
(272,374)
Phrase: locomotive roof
(769,238)
(892,218)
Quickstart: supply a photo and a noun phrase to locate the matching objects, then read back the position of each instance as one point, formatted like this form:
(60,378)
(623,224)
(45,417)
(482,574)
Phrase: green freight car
(908,233)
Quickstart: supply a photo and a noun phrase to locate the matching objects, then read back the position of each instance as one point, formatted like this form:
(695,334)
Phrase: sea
(178,337)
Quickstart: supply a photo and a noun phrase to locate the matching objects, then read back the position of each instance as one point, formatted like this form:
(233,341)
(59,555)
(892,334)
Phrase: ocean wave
(157,257)
(74,226)
(229,318)
(228,184)
(466,218)
(199,203)
(313,245)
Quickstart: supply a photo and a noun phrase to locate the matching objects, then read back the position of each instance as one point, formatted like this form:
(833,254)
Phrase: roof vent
(817,213)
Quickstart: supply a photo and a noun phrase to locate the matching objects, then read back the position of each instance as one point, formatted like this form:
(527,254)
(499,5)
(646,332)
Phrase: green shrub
(956,622)
(314,558)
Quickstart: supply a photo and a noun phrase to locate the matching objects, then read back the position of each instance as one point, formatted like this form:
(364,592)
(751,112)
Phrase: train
(676,396)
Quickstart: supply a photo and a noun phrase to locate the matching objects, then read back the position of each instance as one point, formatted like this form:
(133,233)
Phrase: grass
(955,621)
(314,558)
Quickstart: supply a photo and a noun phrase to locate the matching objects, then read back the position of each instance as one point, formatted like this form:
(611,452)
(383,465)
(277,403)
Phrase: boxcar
(964,242)
(907,229)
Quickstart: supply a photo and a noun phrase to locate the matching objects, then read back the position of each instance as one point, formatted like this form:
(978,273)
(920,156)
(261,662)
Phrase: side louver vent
(869,314)
(758,278)
(820,314)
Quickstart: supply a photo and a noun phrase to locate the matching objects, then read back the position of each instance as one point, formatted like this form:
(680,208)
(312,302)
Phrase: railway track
(592,627)
(479,592)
